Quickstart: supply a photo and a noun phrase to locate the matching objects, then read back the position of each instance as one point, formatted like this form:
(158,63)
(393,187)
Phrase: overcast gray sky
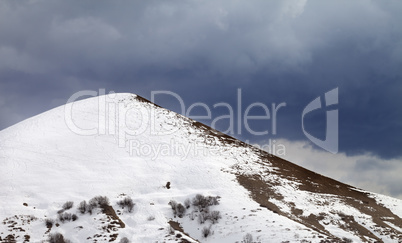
(288,51)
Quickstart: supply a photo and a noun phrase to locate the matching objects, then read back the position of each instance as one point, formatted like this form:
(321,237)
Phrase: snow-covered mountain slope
(123,146)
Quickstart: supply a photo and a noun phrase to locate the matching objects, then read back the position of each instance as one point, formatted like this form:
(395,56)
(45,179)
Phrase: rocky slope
(186,181)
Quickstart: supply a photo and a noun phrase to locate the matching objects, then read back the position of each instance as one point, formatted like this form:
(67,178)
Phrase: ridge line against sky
(274,51)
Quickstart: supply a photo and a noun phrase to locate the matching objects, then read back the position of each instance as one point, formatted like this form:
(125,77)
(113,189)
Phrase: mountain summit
(120,168)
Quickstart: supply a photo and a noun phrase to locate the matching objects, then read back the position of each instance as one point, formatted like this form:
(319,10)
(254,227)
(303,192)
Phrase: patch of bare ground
(112,224)
(316,183)
(27,238)
(8,239)
(16,225)
(143,100)
(176,226)
(262,190)
(109,211)
(352,225)
(208,131)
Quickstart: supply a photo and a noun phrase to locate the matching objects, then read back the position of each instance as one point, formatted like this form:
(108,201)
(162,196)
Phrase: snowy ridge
(137,149)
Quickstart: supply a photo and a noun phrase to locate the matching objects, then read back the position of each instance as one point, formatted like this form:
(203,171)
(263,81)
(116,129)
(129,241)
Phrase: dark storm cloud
(275,51)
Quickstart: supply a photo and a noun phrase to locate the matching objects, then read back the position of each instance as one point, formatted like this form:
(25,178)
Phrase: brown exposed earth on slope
(262,190)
